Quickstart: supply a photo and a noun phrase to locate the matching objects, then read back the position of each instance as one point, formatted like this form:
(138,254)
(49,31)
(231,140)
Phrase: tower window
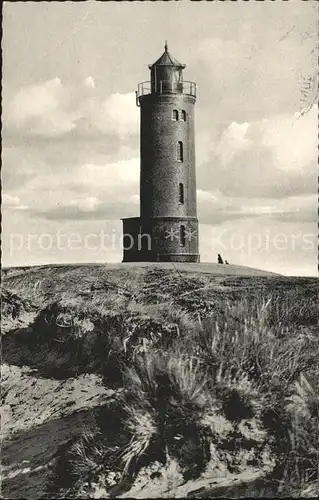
(182,236)
(175,115)
(184,115)
(181,193)
(179,151)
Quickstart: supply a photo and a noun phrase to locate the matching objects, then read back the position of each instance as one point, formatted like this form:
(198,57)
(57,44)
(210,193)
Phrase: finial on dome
(166,46)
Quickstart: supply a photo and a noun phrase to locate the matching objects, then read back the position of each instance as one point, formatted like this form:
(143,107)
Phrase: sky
(70,133)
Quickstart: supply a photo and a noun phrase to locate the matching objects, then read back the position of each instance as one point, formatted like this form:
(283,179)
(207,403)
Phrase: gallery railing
(166,87)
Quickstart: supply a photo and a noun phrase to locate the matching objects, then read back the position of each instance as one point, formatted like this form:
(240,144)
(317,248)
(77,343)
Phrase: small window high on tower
(184,115)
(181,193)
(175,115)
(179,151)
(182,236)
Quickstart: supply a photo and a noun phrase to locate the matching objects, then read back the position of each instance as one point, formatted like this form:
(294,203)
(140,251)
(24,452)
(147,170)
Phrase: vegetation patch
(214,379)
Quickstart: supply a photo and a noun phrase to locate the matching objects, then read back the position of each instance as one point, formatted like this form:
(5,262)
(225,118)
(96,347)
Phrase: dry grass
(142,427)
(302,463)
(186,376)
(242,364)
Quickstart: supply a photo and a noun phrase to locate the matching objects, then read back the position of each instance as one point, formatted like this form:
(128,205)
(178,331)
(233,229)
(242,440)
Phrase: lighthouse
(167,228)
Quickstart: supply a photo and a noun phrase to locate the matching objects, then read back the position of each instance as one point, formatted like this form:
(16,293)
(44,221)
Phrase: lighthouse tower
(167,229)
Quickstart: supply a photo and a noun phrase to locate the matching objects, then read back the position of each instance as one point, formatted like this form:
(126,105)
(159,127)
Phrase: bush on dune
(72,335)
(15,309)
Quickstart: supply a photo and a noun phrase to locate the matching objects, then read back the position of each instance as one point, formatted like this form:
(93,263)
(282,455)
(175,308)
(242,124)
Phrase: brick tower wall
(161,174)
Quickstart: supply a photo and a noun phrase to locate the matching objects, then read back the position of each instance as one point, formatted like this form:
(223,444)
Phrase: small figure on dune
(226,262)
(220,260)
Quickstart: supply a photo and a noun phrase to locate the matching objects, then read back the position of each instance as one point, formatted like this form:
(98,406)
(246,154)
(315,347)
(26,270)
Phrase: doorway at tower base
(160,239)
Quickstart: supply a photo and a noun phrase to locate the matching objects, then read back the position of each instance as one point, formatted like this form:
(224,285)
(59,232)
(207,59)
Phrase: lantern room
(166,78)
(166,74)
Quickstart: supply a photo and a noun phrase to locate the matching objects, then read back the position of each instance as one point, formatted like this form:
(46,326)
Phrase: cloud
(72,139)
(54,109)
(40,110)
(88,191)
(104,211)
(15,171)
(12,202)
(120,114)
(115,179)
(273,157)
(214,208)
(233,140)
(248,75)
(297,209)
(88,204)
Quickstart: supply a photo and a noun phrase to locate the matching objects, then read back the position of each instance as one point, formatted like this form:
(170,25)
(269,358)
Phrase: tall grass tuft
(302,462)
(140,424)
(187,378)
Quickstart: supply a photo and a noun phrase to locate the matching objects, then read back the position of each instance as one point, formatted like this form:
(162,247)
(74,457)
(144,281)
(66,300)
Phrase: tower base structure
(160,239)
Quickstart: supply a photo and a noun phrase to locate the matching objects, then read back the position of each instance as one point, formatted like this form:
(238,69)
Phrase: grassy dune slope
(158,381)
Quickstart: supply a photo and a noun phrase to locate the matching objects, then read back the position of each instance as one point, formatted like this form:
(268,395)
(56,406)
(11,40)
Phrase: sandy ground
(37,416)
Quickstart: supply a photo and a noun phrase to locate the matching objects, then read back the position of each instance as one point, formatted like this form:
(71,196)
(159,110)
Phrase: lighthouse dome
(167,74)
(167,59)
